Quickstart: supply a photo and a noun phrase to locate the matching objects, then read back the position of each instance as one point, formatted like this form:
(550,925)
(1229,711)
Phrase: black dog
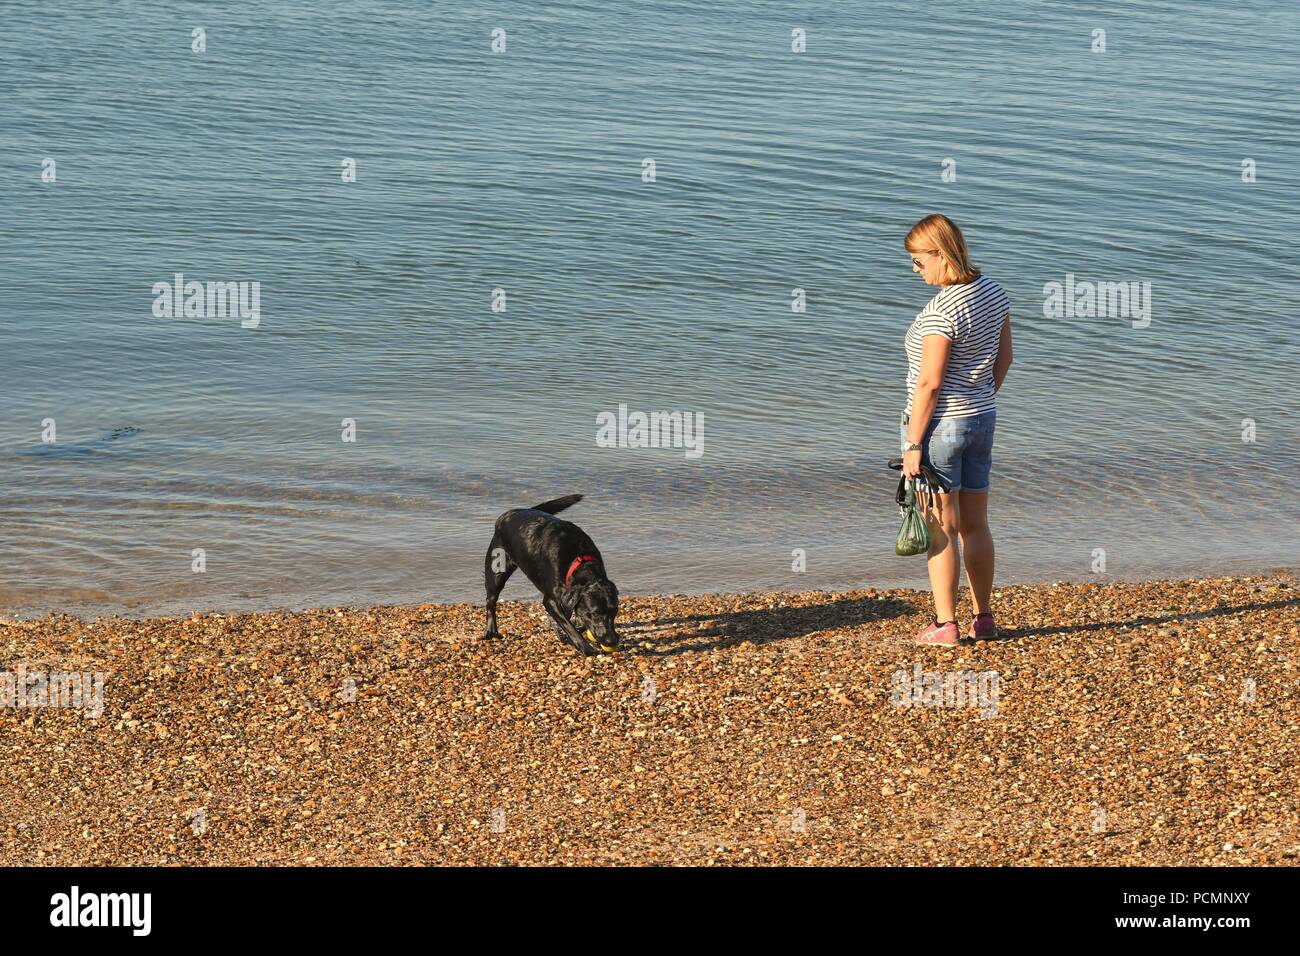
(559,558)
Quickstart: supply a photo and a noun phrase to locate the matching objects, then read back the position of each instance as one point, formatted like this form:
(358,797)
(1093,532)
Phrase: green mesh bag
(914,535)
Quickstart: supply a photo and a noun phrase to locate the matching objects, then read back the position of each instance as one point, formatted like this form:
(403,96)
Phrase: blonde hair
(938,233)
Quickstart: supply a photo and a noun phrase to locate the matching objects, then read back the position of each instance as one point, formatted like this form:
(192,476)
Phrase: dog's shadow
(663,637)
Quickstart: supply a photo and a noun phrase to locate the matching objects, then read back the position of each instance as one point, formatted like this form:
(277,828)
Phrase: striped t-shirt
(969,315)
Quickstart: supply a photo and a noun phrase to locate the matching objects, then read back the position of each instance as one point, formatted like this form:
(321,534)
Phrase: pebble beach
(1109,724)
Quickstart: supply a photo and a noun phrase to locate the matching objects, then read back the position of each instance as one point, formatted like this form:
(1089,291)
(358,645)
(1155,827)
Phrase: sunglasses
(921,265)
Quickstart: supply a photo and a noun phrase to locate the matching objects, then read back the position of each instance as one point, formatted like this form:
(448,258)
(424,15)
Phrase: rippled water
(522,171)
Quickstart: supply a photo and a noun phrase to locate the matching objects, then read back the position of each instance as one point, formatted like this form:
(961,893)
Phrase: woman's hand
(912,463)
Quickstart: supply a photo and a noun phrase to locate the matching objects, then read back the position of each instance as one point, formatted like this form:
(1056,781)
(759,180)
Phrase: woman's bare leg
(945,557)
(977,547)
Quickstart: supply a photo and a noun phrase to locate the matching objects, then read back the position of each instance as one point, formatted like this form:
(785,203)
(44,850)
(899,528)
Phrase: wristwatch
(911,446)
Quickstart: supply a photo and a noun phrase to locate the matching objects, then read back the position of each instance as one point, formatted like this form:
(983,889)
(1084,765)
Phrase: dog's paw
(491,635)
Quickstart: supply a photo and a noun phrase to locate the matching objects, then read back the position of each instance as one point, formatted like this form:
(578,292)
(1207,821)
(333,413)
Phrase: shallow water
(522,171)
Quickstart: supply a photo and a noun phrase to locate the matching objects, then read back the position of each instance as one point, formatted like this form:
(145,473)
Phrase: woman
(958,353)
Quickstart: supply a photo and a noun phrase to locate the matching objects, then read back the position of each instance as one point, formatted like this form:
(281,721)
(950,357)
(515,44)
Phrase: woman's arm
(929,379)
(1003,361)
(925,396)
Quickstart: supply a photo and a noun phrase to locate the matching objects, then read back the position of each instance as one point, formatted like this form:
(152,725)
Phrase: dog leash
(932,478)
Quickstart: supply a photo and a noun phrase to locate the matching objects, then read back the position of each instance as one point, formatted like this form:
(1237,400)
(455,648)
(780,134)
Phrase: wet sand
(1149,723)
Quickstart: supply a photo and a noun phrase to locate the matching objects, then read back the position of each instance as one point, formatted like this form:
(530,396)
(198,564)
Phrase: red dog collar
(577,562)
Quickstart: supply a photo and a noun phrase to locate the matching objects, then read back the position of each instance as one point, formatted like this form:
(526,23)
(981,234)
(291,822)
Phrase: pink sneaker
(943,635)
(982,628)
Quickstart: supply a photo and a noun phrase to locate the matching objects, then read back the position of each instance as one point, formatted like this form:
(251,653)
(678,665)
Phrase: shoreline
(1131,723)
(91,613)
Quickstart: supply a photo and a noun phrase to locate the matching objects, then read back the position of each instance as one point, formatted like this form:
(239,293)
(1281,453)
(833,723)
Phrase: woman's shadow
(664,637)
(1005,634)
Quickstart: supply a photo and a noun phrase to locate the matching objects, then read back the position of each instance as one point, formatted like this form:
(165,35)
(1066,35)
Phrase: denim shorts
(959,449)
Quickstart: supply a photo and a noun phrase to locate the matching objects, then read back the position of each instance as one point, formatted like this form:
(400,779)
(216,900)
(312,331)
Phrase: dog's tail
(558,504)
